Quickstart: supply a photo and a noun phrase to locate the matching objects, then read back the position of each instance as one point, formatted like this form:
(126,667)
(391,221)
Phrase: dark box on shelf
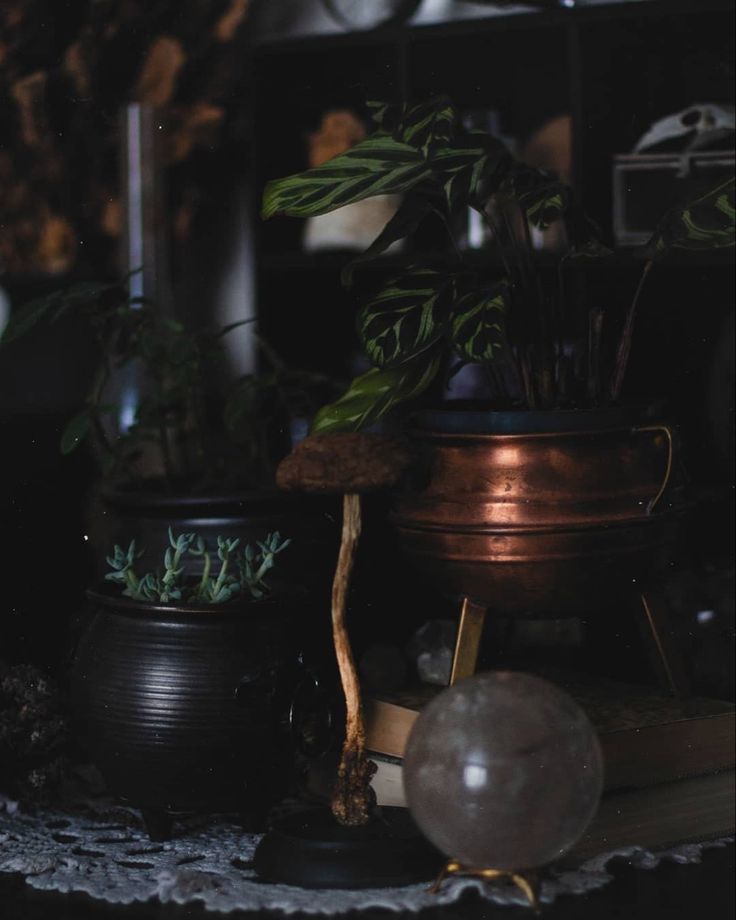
(646,185)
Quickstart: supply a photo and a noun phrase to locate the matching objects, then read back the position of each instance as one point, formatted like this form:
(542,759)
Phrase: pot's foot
(266,786)
(254,817)
(312,850)
(158,823)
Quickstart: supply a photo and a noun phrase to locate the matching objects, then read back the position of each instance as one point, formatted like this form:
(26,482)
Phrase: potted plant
(197,452)
(547,494)
(184,677)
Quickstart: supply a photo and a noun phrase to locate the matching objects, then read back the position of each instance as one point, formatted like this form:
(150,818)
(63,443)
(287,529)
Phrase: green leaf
(406,317)
(420,125)
(427,123)
(584,236)
(543,197)
(545,206)
(478,323)
(410,213)
(53,306)
(589,249)
(230,326)
(375,393)
(76,431)
(705,223)
(178,350)
(470,168)
(31,313)
(379,165)
(244,407)
(383,114)
(87,292)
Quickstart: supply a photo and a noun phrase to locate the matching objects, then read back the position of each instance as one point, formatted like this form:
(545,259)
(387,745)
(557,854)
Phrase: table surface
(703,890)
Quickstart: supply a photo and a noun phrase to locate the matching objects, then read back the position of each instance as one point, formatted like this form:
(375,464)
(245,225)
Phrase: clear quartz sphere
(503,770)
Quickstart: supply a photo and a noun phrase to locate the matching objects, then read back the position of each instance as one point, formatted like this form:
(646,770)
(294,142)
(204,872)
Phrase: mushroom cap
(343,462)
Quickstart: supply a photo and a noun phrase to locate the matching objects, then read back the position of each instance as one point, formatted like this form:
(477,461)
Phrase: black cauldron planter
(146,515)
(185,709)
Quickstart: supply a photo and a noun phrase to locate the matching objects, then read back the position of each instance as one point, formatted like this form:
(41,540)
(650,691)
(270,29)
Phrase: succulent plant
(240,573)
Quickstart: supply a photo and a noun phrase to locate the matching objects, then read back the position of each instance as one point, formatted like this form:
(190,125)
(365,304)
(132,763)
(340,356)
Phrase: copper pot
(540,513)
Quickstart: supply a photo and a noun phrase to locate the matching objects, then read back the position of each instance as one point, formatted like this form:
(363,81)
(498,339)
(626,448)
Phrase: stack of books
(669,763)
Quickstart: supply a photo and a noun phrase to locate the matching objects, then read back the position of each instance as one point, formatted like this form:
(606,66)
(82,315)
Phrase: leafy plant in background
(199,430)
(539,347)
(227,575)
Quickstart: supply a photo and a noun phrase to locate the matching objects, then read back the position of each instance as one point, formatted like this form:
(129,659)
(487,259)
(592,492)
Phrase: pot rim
(469,421)
(209,503)
(238,607)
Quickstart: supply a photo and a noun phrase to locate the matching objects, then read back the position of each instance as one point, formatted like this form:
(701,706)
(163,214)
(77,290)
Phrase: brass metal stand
(524,881)
(654,623)
(467,643)
(657,633)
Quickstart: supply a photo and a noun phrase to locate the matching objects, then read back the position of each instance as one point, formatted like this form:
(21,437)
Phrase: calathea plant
(539,347)
(232,574)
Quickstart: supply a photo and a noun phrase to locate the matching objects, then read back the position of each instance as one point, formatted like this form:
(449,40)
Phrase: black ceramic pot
(185,709)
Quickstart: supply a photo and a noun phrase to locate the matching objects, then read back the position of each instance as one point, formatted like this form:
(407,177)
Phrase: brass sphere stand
(526,882)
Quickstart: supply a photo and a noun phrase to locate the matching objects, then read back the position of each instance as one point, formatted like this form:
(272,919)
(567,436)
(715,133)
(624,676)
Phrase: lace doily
(106,853)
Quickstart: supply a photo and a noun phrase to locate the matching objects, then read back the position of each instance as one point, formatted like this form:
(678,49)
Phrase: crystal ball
(503,770)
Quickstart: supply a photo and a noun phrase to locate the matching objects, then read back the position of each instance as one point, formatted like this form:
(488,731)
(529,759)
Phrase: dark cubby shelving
(614,68)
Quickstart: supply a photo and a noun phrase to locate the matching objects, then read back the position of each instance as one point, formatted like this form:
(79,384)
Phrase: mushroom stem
(352,798)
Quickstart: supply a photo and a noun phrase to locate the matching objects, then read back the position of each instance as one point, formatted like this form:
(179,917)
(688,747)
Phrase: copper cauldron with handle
(537,514)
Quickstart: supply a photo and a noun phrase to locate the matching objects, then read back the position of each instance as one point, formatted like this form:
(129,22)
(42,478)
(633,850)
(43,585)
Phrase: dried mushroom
(349,464)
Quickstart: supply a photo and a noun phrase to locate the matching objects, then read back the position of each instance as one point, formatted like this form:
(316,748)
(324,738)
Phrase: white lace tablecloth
(106,853)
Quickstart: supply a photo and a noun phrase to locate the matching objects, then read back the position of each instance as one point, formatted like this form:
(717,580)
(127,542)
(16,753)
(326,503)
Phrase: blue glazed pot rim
(465,420)
(207,504)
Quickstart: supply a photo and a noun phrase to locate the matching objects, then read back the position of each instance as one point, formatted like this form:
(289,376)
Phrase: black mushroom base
(311,850)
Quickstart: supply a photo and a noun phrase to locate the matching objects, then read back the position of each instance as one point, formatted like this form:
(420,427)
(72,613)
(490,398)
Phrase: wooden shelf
(612,69)
(332,261)
(533,19)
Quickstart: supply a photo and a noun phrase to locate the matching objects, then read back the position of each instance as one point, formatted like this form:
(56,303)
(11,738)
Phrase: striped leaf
(406,317)
(378,165)
(428,123)
(421,125)
(470,168)
(706,223)
(545,206)
(411,212)
(478,323)
(384,115)
(543,197)
(377,392)
(588,249)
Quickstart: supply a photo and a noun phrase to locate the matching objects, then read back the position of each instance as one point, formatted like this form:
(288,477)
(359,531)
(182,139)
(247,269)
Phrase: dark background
(615,70)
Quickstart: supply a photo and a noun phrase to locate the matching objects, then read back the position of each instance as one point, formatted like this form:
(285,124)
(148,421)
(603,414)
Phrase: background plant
(198,427)
(227,574)
(538,344)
